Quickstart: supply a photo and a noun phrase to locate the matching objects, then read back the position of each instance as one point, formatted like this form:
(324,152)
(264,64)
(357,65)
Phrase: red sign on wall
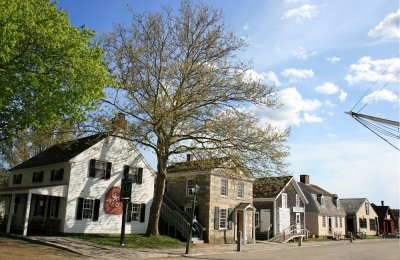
(112,204)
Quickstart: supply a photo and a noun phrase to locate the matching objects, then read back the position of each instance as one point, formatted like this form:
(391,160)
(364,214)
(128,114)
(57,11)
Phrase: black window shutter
(33,177)
(57,206)
(230,215)
(216,218)
(140,176)
(129,212)
(41,176)
(61,174)
(52,175)
(49,206)
(108,170)
(36,206)
(142,212)
(44,205)
(96,210)
(79,209)
(92,168)
(126,172)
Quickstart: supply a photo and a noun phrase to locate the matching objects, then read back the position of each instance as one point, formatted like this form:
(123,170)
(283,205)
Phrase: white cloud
(246,27)
(252,75)
(302,53)
(295,110)
(301,13)
(330,161)
(328,88)
(368,69)
(333,59)
(271,77)
(342,96)
(295,74)
(384,95)
(388,28)
(327,103)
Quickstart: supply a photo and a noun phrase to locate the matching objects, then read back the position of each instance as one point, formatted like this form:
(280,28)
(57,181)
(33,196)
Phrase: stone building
(224,200)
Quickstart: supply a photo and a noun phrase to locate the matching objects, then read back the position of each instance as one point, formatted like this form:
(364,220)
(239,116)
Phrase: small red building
(385,218)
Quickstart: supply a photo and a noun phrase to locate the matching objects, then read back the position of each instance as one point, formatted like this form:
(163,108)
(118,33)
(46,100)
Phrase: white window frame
(322,201)
(190,187)
(224,187)
(223,218)
(100,169)
(135,213)
(341,222)
(88,208)
(257,219)
(298,219)
(297,200)
(366,208)
(240,189)
(323,221)
(284,201)
(336,222)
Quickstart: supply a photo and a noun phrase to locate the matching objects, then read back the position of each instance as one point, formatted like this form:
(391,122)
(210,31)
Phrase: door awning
(245,206)
(49,190)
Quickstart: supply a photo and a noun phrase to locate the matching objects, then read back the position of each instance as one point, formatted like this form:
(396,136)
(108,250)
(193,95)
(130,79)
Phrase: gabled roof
(203,164)
(381,211)
(314,189)
(61,152)
(352,205)
(269,187)
(395,213)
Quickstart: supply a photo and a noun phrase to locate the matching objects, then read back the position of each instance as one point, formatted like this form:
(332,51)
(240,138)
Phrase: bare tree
(184,91)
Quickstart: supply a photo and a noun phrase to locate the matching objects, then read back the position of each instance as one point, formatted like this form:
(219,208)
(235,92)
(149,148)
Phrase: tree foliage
(50,71)
(184,91)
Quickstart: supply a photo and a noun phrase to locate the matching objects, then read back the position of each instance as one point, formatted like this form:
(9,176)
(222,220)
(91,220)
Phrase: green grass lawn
(131,241)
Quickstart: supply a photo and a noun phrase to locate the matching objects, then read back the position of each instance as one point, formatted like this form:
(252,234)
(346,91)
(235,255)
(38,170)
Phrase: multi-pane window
(363,222)
(37,176)
(54,203)
(323,221)
(135,212)
(133,174)
(367,208)
(223,218)
(341,222)
(298,219)
(190,187)
(297,200)
(336,222)
(240,189)
(17,178)
(372,224)
(257,219)
(284,200)
(57,175)
(100,169)
(224,187)
(40,206)
(88,206)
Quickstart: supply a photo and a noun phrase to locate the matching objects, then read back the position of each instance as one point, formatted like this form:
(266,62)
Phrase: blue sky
(322,56)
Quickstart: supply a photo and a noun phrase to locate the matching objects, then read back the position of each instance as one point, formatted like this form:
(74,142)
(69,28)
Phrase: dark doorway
(350,224)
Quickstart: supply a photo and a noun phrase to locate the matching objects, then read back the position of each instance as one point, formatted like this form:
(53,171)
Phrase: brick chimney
(189,157)
(305,179)
(382,203)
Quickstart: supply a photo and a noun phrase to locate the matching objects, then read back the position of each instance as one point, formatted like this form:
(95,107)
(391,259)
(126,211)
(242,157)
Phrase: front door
(350,225)
(298,223)
(284,218)
(265,219)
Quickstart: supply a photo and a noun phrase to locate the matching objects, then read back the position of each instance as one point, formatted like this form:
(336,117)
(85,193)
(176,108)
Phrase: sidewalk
(92,250)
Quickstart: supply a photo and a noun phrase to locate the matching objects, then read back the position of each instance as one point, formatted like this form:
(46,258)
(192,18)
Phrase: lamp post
(194,190)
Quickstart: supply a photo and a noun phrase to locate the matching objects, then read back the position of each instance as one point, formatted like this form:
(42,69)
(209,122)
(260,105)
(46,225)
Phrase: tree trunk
(159,188)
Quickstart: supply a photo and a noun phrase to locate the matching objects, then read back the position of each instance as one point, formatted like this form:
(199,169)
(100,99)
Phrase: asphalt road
(360,249)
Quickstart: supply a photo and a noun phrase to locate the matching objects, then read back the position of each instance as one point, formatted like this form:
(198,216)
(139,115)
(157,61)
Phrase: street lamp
(194,191)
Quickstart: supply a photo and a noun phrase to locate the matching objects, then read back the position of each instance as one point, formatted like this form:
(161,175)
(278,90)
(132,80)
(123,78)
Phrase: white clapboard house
(74,187)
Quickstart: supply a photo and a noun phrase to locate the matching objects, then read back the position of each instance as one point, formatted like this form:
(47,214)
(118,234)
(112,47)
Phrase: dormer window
(321,200)
(100,169)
